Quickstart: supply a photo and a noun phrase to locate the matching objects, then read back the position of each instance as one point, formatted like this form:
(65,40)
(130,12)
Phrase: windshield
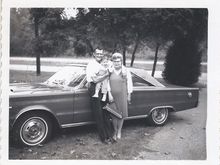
(68,76)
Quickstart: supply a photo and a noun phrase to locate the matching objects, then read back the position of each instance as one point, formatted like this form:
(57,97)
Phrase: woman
(121,89)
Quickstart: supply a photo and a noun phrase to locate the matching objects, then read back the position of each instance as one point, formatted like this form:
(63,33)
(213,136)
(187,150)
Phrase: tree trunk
(155,59)
(115,48)
(36,26)
(91,49)
(134,51)
(124,56)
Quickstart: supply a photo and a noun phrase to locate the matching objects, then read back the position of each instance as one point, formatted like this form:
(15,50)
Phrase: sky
(70,12)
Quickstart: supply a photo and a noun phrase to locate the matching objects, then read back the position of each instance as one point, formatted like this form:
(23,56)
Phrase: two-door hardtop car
(63,100)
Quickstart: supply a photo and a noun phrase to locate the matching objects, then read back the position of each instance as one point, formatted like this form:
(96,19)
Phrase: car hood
(24,88)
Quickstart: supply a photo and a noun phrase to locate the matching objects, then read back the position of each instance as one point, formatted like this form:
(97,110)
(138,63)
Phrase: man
(101,116)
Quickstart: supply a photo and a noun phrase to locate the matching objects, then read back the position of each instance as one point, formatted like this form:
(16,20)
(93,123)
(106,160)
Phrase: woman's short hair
(117,56)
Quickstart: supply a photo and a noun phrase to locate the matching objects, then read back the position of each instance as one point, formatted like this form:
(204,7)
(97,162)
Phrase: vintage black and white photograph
(108,83)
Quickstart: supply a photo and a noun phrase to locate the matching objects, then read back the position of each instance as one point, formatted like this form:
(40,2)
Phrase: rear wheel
(32,129)
(158,116)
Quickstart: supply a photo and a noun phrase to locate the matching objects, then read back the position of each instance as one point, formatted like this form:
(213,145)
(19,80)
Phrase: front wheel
(32,129)
(158,116)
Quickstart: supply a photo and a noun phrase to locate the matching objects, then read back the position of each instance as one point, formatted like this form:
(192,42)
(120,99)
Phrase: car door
(82,111)
(140,96)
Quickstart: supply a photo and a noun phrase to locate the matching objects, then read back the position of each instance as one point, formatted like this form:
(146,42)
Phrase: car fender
(34,108)
(159,107)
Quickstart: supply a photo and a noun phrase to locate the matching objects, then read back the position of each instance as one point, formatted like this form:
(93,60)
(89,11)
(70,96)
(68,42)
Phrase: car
(63,101)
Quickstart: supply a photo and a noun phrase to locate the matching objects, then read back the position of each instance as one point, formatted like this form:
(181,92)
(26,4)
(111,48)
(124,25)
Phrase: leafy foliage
(51,40)
(80,48)
(20,32)
(182,63)
(47,32)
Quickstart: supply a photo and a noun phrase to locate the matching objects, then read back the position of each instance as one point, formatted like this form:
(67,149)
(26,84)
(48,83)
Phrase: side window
(137,81)
(77,80)
(84,84)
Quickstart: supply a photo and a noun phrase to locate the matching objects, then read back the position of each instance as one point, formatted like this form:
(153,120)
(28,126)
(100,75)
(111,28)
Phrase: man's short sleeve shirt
(92,69)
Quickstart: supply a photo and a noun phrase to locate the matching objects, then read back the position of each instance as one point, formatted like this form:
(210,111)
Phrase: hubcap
(34,131)
(160,115)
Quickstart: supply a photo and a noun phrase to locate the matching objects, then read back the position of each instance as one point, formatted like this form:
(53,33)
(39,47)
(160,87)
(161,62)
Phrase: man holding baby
(95,74)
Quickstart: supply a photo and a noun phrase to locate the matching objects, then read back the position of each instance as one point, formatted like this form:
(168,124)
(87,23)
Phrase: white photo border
(213,80)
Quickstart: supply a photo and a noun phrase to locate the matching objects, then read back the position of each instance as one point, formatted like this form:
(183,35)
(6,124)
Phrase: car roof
(137,71)
(144,75)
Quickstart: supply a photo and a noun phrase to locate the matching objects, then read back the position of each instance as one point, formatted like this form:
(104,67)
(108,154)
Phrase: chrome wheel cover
(160,115)
(33,131)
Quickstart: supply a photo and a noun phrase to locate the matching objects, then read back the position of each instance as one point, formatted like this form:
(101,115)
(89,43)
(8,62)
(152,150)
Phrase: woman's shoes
(119,135)
(114,138)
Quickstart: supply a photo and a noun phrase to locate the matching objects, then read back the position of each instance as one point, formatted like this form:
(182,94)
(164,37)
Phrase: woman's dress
(118,85)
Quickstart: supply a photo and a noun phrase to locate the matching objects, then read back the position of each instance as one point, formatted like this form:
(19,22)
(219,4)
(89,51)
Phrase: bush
(182,62)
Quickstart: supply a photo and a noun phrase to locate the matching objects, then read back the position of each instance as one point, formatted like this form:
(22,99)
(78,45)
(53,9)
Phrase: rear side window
(137,81)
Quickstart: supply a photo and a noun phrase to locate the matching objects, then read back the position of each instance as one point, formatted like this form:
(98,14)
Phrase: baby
(104,85)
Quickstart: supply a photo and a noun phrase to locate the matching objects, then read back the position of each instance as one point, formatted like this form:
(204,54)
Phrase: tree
(163,27)
(84,32)
(156,34)
(167,25)
(20,32)
(51,19)
(123,30)
(118,29)
(37,14)
(182,66)
(111,28)
(182,63)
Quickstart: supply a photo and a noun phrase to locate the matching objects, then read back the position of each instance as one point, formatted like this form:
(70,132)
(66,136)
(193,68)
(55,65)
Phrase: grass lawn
(31,77)
(28,76)
(66,63)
